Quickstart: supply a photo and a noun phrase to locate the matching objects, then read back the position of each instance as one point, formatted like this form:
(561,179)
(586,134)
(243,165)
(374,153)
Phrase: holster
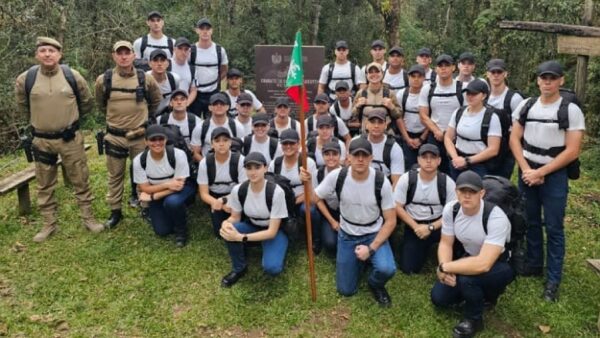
(26,144)
(44,157)
(100,142)
(115,150)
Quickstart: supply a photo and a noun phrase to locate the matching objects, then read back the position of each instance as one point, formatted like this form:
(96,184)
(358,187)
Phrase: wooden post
(24,200)
(581,73)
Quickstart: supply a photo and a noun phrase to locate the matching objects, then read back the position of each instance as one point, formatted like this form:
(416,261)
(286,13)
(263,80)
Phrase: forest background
(88,29)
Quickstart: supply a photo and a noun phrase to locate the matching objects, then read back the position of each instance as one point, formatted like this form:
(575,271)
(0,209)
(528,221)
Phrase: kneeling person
(161,174)
(263,206)
(367,219)
(473,261)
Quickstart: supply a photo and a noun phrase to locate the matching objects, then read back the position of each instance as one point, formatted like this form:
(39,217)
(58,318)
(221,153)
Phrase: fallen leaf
(5,291)
(544,328)
(35,318)
(62,325)
(19,247)
(3,329)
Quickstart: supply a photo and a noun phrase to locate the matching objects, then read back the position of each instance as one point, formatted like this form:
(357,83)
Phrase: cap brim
(360,150)
(221,134)
(155,135)
(244,101)
(469,186)
(495,68)
(551,73)
(430,152)
(254,162)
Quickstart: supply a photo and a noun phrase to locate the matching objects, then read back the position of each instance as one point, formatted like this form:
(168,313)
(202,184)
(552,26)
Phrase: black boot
(114,219)
(467,328)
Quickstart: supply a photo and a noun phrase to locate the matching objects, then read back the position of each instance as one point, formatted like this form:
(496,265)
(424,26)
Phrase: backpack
(193,64)
(273,129)
(433,77)
(499,191)
(170,150)
(412,188)
(248,144)
(311,146)
(485,124)
(321,174)
(310,125)
(140,91)
(236,143)
(364,93)
(404,100)
(174,140)
(341,179)
(404,78)
(278,167)
(163,120)
(330,77)
(211,168)
(387,152)
(432,93)
(288,225)
(145,44)
(573,170)
(31,76)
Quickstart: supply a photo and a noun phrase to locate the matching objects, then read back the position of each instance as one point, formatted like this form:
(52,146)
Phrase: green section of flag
(296,72)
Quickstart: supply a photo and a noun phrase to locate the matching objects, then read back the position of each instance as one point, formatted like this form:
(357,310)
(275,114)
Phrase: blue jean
(474,290)
(329,237)
(415,250)
(410,154)
(348,267)
(478,168)
(274,250)
(445,165)
(169,215)
(552,197)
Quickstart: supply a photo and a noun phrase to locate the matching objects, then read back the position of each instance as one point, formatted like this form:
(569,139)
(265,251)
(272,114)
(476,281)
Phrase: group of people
(384,143)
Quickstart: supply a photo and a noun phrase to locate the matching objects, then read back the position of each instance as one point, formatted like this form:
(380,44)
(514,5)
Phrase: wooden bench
(595,264)
(20,182)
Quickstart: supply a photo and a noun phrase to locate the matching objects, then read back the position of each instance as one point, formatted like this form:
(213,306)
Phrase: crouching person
(367,218)
(161,173)
(263,206)
(473,262)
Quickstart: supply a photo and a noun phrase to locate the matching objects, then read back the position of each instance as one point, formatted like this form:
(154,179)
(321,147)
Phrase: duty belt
(66,134)
(359,224)
(121,132)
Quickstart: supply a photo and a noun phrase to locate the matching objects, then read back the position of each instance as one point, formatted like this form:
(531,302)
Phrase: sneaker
(134,202)
(550,292)
(44,233)
(381,296)
(467,328)
(232,278)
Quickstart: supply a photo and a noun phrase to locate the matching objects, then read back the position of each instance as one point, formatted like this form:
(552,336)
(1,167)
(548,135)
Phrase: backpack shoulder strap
(563,114)
(144,158)
(171,81)
(232,126)
(507,100)
(320,174)
(193,52)
(68,73)
(353,76)
(247,144)
(141,76)
(459,94)
(386,92)
(487,210)
(204,130)
(243,193)
(269,194)
(330,73)
(107,85)
(405,98)
(459,115)
(336,107)
(219,61)
(211,168)
(273,146)
(433,77)
(485,124)
(309,123)
(339,184)
(170,150)
(525,110)
(164,119)
(170,45)
(311,147)
(432,86)
(412,185)
(29,82)
(441,187)
(455,209)
(191,123)
(144,45)
(387,152)
(405,78)
(234,161)
(278,165)
(336,129)
(379,179)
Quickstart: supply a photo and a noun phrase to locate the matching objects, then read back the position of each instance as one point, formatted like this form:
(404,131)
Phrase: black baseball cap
(416,69)
(496,64)
(444,58)
(477,86)
(233,72)
(154,14)
(341,85)
(181,41)
(203,22)
(244,98)
(282,101)
(377,43)
(397,50)
(331,146)
(155,130)
(429,148)
(361,144)
(260,118)
(158,53)
(341,44)
(178,92)
(550,67)
(218,97)
(466,56)
(289,136)
(255,158)
(321,98)
(424,51)
(220,131)
(469,180)
(324,120)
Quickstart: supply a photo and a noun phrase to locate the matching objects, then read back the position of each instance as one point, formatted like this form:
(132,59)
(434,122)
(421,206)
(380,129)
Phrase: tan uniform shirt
(376,99)
(52,102)
(122,110)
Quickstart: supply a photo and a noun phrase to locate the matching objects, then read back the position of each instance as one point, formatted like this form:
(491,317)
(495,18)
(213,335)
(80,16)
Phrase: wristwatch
(468,161)
(245,239)
(441,268)
(431,227)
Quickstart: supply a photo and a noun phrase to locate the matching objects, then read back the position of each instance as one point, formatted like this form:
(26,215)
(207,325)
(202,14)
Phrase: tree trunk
(315,31)
(390,14)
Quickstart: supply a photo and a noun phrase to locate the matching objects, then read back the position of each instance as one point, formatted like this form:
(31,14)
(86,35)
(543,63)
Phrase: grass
(129,283)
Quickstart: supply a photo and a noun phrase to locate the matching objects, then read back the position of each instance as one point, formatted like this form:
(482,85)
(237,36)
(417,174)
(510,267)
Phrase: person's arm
(172,185)
(573,141)
(322,205)
(230,233)
(20,98)
(87,102)
(192,94)
(99,93)
(394,178)
(445,256)
(197,153)
(224,69)
(516,134)
(389,224)
(490,151)
(322,87)
(405,217)
(474,265)
(155,95)
(429,124)
(214,203)
(449,137)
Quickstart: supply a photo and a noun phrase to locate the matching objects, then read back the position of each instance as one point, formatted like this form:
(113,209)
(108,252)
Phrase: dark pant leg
(535,236)
(415,250)
(328,235)
(445,165)
(174,206)
(217,217)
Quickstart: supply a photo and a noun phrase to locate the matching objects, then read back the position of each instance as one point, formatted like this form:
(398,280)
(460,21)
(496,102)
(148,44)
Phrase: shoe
(317,248)
(489,304)
(232,278)
(532,271)
(93,225)
(44,233)
(550,292)
(381,296)
(134,202)
(180,242)
(467,328)
(145,213)
(114,219)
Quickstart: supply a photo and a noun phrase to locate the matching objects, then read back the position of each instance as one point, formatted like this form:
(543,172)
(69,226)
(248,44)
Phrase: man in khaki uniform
(53,98)
(376,95)
(129,97)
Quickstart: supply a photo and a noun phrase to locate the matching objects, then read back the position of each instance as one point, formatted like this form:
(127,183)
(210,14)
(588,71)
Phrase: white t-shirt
(428,73)
(288,126)
(469,127)
(165,90)
(441,106)
(256,104)
(293,174)
(255,206)
(197,134)
(412,121)
(340,72)
(345,113)
(469,229)
(223,182)
(207,69)
(184,126)
(160,171)
(247,126)
(264,148)
(331,200)
(396,157)
(426,193)
(395,81)
(498,101)
(185,76)
(358,203)
(547,135)
(162,42)
(341,126)
(319,154)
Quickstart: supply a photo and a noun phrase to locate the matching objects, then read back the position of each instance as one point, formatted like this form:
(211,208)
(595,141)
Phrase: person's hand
(229,232)
(144,197)
(450,279)
(422,231)
(414,143)
(532,177)
(361,101)
(335,225)
(304,175)
(217,204)
(227,208)
(387,102)
(459,162)
(197,157)
(176,184)
(362,252)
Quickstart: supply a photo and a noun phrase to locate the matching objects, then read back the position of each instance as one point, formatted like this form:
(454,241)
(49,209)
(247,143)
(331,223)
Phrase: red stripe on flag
(294,94)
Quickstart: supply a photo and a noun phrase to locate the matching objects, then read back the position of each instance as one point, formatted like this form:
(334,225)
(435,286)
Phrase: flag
(295,76)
